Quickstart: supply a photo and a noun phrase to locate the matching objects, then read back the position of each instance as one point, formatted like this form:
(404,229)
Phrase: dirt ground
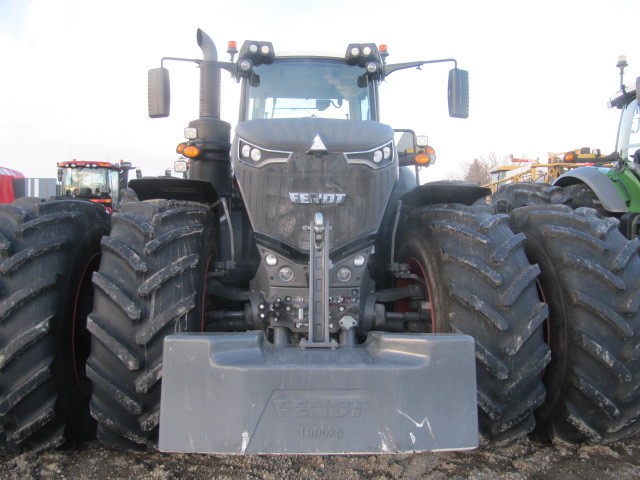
(523,460)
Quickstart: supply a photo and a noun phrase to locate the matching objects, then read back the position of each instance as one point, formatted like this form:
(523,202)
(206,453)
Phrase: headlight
(359,260)
(255,156)
(286,274)
(375,158)
(422,141)
(180,166)
(245,151)
(271,260)
(343,274)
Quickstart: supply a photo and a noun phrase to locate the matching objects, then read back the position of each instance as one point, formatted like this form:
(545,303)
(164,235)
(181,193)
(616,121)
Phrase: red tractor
(99,182)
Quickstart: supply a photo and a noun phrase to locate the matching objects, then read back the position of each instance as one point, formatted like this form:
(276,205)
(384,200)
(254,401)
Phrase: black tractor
(300,292)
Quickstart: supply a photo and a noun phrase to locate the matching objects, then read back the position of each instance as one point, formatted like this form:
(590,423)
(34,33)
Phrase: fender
(172,188)
(599,183)
(444,192)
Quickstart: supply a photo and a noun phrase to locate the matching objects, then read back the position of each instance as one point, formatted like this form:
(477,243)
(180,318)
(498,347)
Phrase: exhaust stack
(213,164)
(210,77)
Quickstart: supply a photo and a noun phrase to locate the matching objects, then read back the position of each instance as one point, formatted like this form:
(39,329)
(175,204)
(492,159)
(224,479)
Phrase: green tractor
(611,185)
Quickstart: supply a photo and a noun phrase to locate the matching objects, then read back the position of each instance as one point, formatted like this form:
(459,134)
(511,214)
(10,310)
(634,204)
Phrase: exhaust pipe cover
(210,77)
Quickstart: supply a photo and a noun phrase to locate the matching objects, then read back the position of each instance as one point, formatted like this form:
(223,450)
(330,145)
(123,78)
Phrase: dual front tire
(151,283)
(48,251)
(478,281)
(591,281)
(584,350)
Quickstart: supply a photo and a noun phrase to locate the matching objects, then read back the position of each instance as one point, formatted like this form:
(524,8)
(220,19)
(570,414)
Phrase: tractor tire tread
(590,278)
(482,265)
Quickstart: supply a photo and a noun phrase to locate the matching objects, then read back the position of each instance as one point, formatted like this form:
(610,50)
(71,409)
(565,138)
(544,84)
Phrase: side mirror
(159,93)
(458,93)
(405,141)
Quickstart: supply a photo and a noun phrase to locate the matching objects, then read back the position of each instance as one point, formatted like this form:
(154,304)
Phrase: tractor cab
(99,182)
(628,144)
(308,87)
(626,99)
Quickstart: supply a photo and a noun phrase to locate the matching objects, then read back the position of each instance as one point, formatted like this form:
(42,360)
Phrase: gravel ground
(523,460)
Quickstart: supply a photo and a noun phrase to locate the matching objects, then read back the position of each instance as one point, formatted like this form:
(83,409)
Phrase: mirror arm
(388,69)
(228,66)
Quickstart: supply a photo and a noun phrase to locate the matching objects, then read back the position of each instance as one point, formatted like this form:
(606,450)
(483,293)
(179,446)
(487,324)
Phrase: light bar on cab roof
(257,52)
(85,164)
(362,53)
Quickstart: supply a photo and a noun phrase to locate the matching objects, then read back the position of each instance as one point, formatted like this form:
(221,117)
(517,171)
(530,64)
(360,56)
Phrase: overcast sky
(74,72)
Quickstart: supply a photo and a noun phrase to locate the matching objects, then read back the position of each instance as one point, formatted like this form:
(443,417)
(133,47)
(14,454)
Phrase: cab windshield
(85,182)
(308,87)
(629,140)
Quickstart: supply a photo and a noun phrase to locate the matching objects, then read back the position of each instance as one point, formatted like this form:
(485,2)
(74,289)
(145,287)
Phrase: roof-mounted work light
(257,52)
(362,53)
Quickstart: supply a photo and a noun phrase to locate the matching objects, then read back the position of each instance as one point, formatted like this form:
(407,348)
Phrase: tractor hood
(290,169)
(298,134)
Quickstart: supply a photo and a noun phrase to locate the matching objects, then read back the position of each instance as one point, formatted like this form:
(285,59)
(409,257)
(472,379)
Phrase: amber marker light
(428,156)
(191,151)
(181,146)
(422,159)
(569,157)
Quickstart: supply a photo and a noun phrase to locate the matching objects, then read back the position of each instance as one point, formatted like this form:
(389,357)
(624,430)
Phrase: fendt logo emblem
(317,407)
(317,146)
(323,198)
